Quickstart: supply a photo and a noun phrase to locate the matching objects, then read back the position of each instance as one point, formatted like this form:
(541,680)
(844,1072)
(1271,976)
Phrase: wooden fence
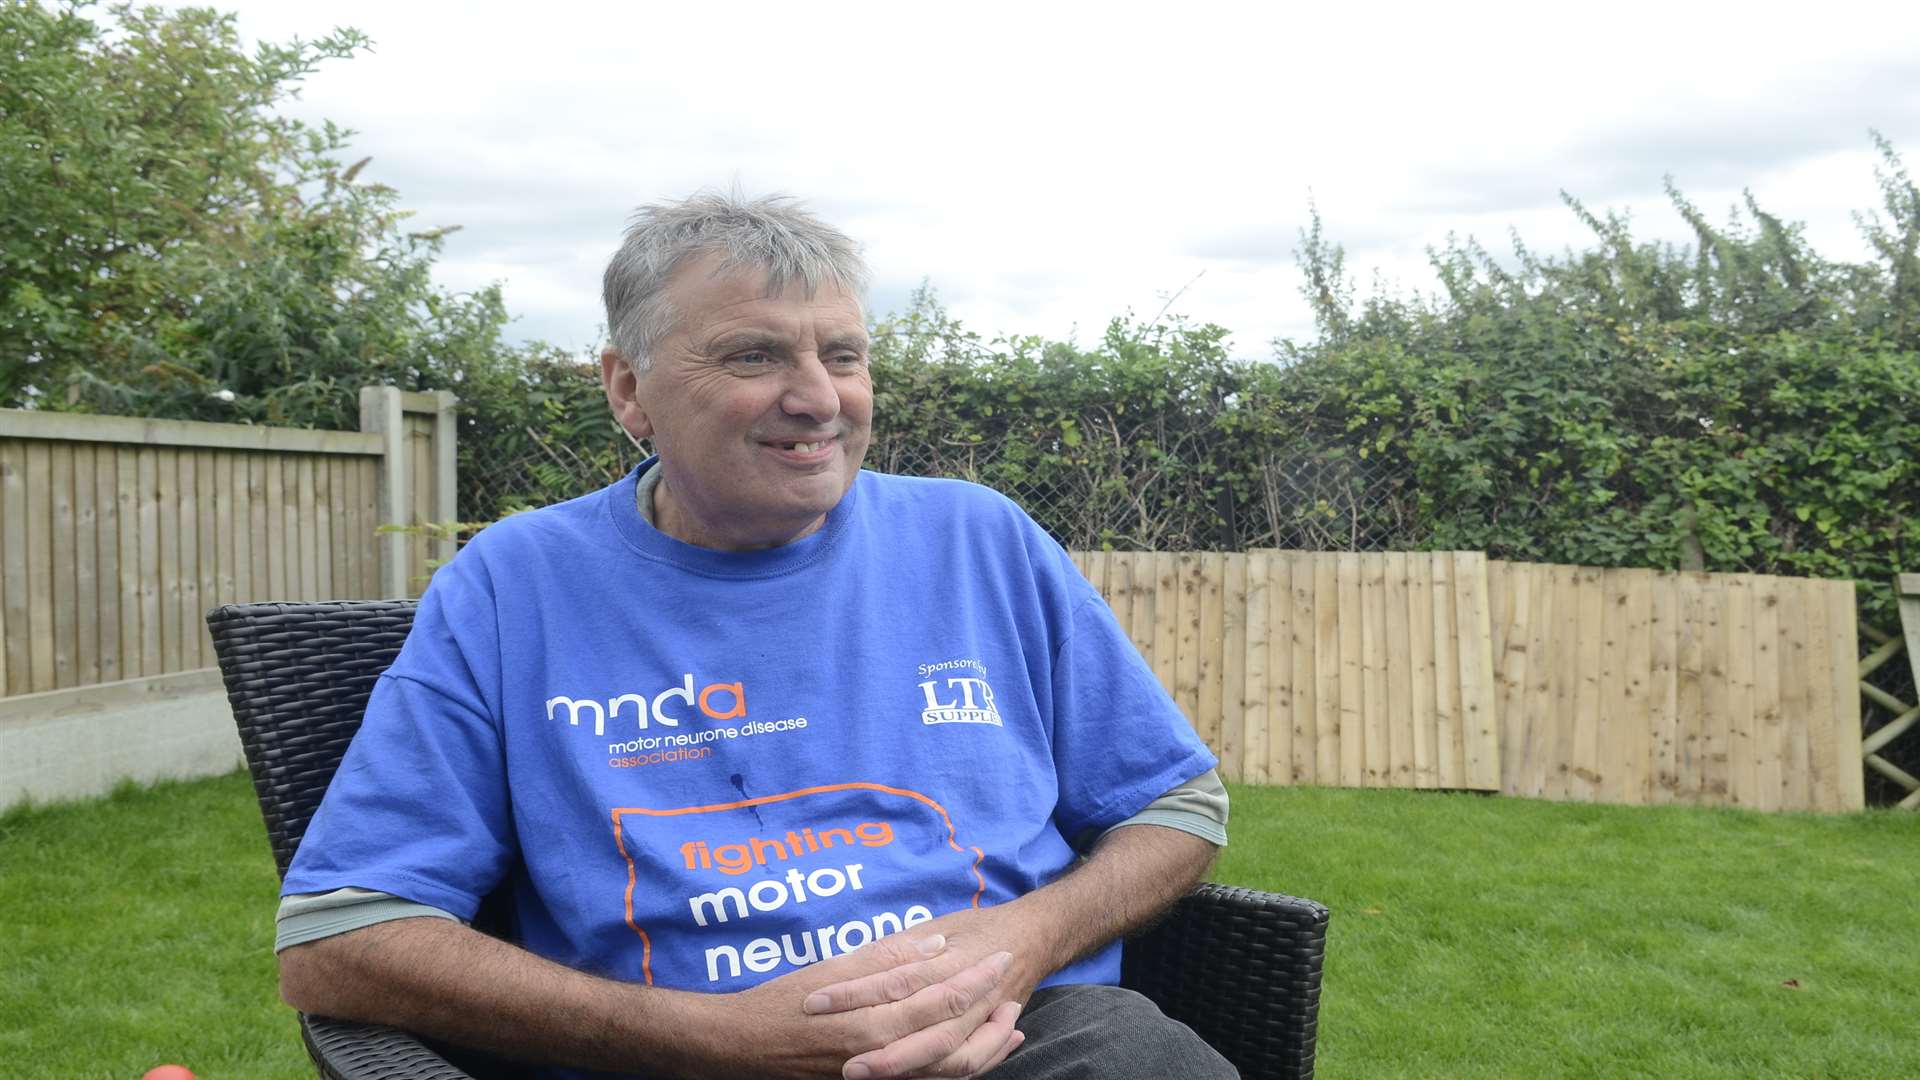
(118,534)
(1631,686)
(1443,669)
(1320,668)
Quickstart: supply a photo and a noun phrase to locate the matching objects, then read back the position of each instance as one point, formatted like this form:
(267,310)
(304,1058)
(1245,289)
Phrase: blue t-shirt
(704,769)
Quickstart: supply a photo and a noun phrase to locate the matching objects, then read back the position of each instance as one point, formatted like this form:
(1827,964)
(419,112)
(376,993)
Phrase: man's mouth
(805,447)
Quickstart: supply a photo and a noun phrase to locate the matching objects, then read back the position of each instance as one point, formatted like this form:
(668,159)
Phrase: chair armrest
(1242,969)
(346,1050)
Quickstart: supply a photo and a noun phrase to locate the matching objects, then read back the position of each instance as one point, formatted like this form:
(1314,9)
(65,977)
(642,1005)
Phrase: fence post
(418,478)
(446,501)
(1907,587)
(380,413)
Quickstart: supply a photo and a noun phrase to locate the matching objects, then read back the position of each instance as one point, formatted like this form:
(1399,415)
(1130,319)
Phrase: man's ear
(622,385)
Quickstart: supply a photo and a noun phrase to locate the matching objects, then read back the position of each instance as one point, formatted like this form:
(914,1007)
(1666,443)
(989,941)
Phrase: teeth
(808,447)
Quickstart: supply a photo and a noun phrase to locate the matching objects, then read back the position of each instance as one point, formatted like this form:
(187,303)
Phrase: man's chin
(804,503)
(823,487)
(820,503)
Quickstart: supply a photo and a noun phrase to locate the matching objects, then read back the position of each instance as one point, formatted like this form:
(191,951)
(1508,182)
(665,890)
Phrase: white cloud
(1050,166)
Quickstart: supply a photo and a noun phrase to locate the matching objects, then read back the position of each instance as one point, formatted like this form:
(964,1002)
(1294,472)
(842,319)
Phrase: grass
(1471,937)
(138,929)
(1481,937)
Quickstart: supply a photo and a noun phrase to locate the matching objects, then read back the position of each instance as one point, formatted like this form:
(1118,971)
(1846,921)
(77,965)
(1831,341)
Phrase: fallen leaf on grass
(1371,911)
(1791,984)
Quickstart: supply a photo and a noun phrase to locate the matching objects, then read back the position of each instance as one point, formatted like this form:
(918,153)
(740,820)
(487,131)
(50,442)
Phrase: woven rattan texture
(298,677)
(346,1051)
(1242,968)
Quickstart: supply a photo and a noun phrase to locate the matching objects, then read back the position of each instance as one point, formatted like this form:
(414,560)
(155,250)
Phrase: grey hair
(773,234)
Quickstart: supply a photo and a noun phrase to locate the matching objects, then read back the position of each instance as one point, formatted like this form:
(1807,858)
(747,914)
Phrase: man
(784,764)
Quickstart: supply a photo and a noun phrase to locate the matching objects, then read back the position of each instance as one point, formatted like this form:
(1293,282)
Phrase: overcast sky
(1049,166)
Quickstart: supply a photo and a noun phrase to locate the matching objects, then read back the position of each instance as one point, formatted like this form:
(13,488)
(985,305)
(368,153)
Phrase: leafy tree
(174,247)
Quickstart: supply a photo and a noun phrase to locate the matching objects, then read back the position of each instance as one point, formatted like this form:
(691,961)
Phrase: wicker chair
(1241,967)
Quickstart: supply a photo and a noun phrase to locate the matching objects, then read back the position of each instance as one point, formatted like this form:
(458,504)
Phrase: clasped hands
(939,1000)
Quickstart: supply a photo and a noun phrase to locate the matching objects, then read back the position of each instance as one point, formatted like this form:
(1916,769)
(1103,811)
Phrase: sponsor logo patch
(957,699)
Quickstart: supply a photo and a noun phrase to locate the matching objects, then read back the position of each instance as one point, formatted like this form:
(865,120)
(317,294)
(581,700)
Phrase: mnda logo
(717,701)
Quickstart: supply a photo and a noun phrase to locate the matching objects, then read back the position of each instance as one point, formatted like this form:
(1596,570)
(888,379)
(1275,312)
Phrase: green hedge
(1743,404)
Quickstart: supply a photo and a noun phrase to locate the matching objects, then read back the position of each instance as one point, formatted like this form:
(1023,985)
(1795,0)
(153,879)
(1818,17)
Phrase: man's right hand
(957,1027)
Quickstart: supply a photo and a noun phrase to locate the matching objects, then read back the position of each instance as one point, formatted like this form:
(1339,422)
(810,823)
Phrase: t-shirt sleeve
(419,808)
(1119,741)
(1198,806)
(306,917)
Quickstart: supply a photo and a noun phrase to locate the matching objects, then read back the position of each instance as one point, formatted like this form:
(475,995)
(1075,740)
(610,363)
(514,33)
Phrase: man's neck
(661,510)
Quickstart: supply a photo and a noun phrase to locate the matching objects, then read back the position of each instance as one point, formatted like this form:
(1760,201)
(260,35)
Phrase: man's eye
(848,360)
(752,359)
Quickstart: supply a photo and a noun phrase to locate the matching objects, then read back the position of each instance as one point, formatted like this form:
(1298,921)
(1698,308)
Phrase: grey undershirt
(1198,806)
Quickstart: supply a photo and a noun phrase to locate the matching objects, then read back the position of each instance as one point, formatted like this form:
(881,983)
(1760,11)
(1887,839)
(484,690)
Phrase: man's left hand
(1134,873)
(972,935)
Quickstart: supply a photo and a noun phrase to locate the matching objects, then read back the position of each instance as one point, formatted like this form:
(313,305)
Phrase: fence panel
(117,534)
(1297,667)
(1717,689)
(1448,670)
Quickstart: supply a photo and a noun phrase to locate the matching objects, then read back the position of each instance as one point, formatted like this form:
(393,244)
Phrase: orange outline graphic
(633,874)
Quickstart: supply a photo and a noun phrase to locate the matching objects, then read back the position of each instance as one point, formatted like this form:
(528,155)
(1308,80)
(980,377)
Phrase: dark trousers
(1087,1032)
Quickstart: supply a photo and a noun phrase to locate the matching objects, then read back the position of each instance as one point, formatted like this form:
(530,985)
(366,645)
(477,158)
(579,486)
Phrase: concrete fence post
(418,478)
(446,501)
(381,414)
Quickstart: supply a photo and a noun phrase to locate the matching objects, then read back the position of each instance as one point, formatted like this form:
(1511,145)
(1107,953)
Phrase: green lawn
(1474,936)
(139,930)
(1471,936)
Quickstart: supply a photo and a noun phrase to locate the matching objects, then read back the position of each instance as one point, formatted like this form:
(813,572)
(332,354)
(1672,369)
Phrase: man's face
(761,407)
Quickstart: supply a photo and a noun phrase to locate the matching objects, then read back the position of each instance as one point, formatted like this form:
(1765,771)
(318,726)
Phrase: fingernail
(816,1003)
(1000,961)
(931,945)
(856,1071)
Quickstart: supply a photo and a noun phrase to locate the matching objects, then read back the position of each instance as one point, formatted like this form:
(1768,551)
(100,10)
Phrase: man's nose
(810,391)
